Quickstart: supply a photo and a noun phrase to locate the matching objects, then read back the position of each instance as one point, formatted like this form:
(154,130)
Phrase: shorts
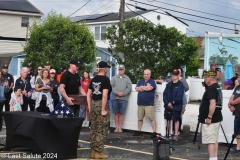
(210,133)
(172,115)
(119,106)
(147,111)
(236,121)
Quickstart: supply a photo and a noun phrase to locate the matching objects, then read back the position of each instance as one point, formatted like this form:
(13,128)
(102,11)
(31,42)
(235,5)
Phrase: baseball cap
(103,64)
(47,63)
(121,66)
(62,68)
(52,71)
(218,69)
(210,73)
(29,65)
(5,66)
(175,72)
(75,62)
(228,82)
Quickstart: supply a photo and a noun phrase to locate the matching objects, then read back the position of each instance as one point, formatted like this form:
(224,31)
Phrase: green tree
(145,46)
(58,40)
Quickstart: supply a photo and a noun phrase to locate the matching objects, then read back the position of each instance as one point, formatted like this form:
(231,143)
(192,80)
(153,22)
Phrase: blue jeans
(119,106)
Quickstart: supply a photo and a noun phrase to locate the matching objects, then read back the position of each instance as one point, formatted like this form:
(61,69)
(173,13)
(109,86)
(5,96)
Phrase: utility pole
(122,10)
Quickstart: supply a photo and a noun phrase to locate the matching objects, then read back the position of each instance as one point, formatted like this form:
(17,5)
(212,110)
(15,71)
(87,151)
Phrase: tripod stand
(233,137)
(196,132)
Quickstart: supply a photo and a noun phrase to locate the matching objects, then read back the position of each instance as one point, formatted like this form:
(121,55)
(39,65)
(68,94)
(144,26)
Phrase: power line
(188,19)
(140,15)
(221,5)
(193,9)
(227,3)
(80,8)
(185,13)
(155,24)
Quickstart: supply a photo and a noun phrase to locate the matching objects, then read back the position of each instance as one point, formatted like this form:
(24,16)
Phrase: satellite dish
(158,17)
(220,39)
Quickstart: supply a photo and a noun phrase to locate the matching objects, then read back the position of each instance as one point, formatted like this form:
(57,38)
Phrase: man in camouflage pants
(97,98)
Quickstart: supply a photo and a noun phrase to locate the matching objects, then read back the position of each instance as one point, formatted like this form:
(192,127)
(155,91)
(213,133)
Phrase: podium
(79,99)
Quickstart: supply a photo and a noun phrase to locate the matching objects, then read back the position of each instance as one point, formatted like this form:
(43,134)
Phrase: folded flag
(62,109)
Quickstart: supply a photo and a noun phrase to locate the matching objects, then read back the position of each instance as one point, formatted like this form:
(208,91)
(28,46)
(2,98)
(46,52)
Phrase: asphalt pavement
(124,146)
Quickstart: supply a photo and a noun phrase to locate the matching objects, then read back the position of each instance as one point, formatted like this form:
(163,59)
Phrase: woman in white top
(34,93)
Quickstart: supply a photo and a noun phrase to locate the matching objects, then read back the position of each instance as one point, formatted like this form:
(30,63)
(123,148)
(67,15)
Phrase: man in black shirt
(70,85)
(234,106)
(210,114)
(9,78)
(97,97)
(30,73)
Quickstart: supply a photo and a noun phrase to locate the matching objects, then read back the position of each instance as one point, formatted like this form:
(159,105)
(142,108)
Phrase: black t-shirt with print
(236,94)
(71,82)
(212,92)
(97,85)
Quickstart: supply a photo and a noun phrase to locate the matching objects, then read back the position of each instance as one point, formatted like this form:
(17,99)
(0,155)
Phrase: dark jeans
(6,102)
(1,108)
(25,104)
(43,107)
(32,104)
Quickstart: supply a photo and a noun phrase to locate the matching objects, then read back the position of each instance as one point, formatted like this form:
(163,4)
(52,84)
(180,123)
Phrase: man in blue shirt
(146,92)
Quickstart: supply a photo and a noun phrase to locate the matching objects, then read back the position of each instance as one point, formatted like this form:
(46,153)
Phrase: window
(99,33)
(25,21)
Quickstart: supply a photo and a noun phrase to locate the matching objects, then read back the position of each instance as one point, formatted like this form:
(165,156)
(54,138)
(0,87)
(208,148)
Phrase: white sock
(216,158)
(212,158)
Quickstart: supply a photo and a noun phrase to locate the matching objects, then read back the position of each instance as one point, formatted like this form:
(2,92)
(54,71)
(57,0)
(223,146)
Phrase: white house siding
(10,25)
(10,47)
(166,20)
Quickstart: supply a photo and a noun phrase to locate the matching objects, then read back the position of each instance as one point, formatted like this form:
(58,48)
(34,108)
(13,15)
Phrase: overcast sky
(227,8)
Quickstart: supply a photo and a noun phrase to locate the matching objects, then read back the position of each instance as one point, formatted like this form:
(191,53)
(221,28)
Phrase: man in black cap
(70,85)
(30,73)
(9,78)
(210,114)
(47,65)
(62,70)
(97,97)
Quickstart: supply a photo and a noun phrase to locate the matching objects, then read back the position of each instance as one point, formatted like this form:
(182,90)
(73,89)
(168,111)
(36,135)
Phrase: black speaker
(161,149)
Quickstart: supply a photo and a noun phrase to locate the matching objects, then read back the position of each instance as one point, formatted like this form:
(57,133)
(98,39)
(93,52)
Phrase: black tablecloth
(43,133)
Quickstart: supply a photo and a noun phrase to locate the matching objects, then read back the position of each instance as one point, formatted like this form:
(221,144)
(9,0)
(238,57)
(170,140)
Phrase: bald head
(147,74)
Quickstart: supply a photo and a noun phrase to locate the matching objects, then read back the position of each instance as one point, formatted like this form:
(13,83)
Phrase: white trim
(213,34)
(103,22)
(21,13)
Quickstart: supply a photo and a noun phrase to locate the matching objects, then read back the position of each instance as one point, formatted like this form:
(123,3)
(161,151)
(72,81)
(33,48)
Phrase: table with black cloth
(42,133)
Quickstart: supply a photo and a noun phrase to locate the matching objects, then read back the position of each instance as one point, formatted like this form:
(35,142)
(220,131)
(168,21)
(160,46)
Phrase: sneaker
(137,133)
(233,151)
(175,138)
(237,153)
(154,135)
(116,130)
(119,130)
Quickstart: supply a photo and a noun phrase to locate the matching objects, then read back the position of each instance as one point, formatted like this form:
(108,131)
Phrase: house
(200,42)
(98,24)
(223,50)
(16,17)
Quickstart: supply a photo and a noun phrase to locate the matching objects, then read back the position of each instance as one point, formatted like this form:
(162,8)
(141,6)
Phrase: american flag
(62,109)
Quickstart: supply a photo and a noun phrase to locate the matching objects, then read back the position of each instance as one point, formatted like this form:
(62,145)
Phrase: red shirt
(84,85)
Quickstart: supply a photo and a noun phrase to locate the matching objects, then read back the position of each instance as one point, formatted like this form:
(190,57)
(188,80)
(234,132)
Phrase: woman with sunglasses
(44,99)
(54,84)
(34,93)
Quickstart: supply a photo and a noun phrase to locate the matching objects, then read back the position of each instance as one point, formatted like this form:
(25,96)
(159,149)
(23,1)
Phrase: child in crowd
(16,100)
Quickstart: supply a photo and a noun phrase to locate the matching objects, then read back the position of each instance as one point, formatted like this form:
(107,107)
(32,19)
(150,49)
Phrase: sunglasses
(39,69)
(52,73)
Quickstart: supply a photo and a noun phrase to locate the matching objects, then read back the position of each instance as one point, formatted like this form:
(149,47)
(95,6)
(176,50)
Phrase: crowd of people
(41,91)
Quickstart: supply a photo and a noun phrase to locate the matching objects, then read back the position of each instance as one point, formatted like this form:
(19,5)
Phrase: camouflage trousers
(99,125)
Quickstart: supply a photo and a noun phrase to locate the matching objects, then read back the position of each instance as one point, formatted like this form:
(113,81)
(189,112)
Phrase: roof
(18,5)
(176,18)
(105,17)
